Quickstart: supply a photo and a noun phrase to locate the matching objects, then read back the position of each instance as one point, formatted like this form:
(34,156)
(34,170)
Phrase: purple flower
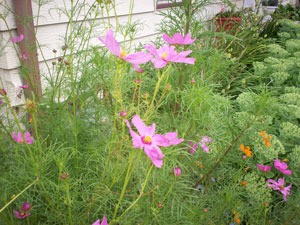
(176,171)
(23,213)
(193,147)
(263,168)
(179,39)
(282,167)
(20,138)
(135,58)
(167,54)
(3,92)
(17,38)
(104,221)
(204,140)
(26,206)
(279,186)
(149,141)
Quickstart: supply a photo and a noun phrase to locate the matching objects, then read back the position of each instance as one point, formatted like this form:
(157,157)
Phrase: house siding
(52,23)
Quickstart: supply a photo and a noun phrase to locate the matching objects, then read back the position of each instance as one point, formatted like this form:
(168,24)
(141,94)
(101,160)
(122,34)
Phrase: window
(160,4)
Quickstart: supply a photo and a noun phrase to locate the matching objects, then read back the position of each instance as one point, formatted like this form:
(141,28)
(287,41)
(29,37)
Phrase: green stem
(125,184)
(141,192)
(17,196)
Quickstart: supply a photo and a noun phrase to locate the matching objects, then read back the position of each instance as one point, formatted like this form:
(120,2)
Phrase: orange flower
(266,138)
(237,219)
(246,150)
(243,183)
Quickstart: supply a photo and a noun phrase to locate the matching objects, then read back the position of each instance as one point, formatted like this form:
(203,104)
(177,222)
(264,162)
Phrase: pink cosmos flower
(135,58)
(179,39)
(23,213)
(167,54)
(149,141)
(263,168)
(25,86)
(282,167)
(204,140)
(104,221)
(177,171)
(193,147)
(279,186)
(17,38)
(27,138)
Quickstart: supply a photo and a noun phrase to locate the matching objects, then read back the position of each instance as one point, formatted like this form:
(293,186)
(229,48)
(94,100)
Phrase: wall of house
(51,22)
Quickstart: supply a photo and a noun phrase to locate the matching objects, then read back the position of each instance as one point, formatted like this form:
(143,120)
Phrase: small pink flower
(25,86)
(104,221)
(23,213)
(26,206)
(193,147)
(20,138)
(263,168)
(282,167)
(279,186)
(179,39)
(17,38)
(177,171)
(204,140)
(149,141)
(123,114)
(135,58)
(167,54)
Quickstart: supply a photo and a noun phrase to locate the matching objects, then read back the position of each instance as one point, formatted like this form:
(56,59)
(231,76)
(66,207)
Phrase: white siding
(52,23)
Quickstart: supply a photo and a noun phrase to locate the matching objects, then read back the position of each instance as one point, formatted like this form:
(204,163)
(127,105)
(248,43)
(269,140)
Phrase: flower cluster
(25,138)
(278,185)
(24,211)
(159,57)
(266,138)
(149,141)
(203,144)
(246,150)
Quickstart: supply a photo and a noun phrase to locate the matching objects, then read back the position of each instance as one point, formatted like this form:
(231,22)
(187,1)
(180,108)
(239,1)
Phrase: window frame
(168,4)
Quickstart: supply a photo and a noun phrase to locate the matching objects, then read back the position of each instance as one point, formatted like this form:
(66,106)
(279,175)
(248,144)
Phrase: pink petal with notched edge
(155,154)
(173,139)
(142,128)
(158,63)
(111,43)
(104,221)
(97,222)
(28,138)
(136,139)
(160,140)
(17,38)
(138,58)
(263,168)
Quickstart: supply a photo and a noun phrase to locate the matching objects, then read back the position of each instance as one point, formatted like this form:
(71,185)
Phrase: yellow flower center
(164,55)
(281,187)
(147,139)
(123,54)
